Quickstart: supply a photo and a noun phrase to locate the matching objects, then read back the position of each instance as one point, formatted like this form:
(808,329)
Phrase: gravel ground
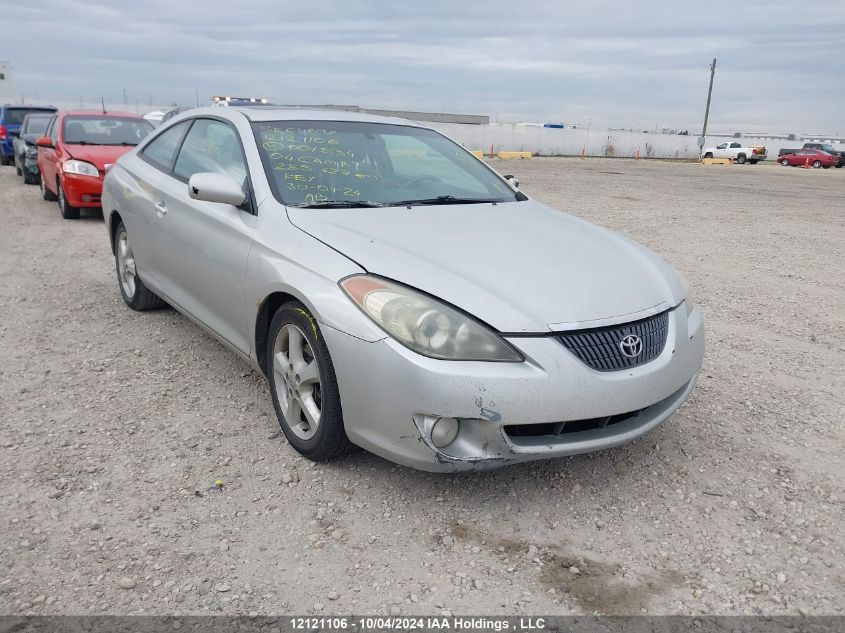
(115,426)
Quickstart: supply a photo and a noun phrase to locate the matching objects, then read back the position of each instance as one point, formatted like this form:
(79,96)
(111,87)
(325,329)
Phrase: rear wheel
(753,162)
(741,159)
(5,160)
(303,384)
(784,162)
(136,295)
(817,164)
(68,212)
(46,193)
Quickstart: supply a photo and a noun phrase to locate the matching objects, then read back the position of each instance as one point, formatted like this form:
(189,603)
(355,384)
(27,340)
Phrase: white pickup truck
(735,151)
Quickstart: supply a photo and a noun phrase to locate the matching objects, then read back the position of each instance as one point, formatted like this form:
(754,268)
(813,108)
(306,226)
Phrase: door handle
(161,209)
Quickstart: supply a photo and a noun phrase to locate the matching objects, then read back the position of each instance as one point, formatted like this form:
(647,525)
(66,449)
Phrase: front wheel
(817,164)
(784,162)
(303,385)
(136,295)
(68,212)
(18,169)
(48,195)
(708,155)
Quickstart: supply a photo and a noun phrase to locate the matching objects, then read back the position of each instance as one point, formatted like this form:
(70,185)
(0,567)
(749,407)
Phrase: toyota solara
(397,292)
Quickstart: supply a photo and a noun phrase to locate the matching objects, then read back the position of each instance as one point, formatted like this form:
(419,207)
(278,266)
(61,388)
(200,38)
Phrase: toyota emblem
(631,345)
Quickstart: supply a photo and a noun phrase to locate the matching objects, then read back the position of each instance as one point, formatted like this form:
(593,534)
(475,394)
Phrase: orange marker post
(807,163)
(583,152)
(637,155)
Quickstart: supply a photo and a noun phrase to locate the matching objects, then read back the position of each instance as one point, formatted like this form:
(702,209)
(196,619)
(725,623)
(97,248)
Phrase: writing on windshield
(320,162)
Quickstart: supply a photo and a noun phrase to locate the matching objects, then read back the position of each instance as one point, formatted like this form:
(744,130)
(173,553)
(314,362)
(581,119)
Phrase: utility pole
(707,111)
(124,97)
(197,94)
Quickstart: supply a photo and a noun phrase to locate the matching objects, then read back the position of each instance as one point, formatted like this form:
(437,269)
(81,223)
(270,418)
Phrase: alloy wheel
(296,376)
(126,265)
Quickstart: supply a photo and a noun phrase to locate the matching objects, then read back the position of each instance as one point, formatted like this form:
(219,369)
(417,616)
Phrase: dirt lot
(115,426)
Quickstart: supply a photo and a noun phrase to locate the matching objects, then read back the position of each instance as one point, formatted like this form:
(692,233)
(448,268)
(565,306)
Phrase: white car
(398,293)
(735,151)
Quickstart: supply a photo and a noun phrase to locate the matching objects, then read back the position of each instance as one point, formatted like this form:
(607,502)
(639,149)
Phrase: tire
(29,179)
(5,160)
(48,195)
(753,162)
(817,164)
(784,162)
(68,212)
(136,295)
(708,155)
(827,166)
(741,159)
(18,169)
(300,370)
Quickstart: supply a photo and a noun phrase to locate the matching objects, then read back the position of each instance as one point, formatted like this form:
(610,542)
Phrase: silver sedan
(398,293)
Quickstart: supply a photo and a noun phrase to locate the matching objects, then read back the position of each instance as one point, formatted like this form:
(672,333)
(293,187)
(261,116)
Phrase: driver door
(203,246)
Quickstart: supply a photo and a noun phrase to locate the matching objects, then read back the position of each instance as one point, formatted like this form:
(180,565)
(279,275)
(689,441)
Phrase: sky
(632,64)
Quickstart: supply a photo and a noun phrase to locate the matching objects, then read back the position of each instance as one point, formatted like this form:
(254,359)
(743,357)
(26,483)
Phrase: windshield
(104,130)
(36,125)
(341,163)
(14,116)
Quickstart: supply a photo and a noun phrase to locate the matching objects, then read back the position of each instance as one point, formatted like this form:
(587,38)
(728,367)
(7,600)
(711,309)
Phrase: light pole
(707,110)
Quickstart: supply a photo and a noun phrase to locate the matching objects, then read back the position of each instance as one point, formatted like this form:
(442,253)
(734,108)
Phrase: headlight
(80,168)
(425,325)
(689,301)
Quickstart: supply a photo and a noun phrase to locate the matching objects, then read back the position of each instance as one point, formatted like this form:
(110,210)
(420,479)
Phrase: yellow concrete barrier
(477,153)
(715,161)
(515,154)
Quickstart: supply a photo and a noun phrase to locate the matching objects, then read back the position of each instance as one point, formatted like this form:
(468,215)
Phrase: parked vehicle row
(11,118)
(824,147)
(68,152)
(366,266)
(815,158)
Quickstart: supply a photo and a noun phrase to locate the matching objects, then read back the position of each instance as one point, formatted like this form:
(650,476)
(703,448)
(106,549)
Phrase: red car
(77,149)
(814,157)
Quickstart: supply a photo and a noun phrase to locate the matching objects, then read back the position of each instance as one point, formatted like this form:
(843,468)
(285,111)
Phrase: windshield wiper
(339,204)
(444,200)
(124,143)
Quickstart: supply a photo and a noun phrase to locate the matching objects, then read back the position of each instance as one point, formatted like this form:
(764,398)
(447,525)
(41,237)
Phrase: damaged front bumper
(552,405)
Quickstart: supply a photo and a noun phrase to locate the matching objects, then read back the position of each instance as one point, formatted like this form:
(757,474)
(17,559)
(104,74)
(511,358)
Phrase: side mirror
(512,181)
(216,187)
(44,141)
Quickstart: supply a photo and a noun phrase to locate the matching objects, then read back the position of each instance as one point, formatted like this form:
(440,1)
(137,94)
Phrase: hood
(99,155)
(518,266)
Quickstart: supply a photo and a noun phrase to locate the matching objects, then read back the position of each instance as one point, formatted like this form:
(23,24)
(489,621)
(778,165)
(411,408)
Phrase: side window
(161,151)
(54,130)
(722,146)
(211,146)
(735,145)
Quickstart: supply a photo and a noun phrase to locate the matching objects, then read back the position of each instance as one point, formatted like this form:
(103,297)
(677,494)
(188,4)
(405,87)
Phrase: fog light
(444,432)
(86,197)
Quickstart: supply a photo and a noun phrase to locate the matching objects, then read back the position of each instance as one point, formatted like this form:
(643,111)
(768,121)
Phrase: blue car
(11,117)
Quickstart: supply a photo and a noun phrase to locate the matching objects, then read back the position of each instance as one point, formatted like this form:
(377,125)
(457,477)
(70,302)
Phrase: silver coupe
(397,292)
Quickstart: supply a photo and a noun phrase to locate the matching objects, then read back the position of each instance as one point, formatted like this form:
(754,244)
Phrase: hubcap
(296,376)
(126,265)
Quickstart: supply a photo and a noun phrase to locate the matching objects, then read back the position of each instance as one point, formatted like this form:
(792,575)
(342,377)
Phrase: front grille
(601,349)
(557,429)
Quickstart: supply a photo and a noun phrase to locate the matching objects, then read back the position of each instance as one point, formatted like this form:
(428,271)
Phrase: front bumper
(391,397)
(83,191)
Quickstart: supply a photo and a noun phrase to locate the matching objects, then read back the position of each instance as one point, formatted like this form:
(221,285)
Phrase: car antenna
(103,102)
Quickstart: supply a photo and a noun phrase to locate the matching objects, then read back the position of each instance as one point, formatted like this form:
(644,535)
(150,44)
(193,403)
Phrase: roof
(283,113)
(130,115)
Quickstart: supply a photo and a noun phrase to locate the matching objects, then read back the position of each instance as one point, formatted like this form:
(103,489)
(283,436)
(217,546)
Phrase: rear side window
(161,151)
(211,146)
(36,125)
